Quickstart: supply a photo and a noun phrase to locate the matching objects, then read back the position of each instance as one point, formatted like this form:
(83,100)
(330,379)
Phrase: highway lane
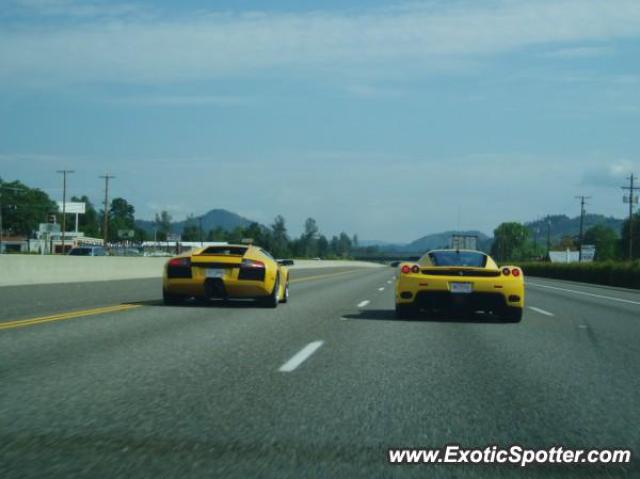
(319,387)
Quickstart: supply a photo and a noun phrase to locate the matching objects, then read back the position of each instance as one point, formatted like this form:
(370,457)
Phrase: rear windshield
(80,252)
(225,250)
(458,258)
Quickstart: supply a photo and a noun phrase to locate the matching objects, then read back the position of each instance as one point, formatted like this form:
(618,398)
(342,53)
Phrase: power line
(64,203)
(105,231)
(631,199)
(582,199)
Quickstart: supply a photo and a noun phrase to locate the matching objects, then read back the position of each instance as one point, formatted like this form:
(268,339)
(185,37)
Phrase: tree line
(274,238)
(24,208)
(513,241)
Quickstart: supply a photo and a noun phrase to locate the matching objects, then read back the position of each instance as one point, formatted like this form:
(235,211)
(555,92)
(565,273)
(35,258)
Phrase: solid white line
(541,311)
(610,298)
(363,303)
(300,357)
(380,289)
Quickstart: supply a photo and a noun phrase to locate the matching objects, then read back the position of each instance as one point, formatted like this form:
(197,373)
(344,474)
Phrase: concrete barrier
(34,269)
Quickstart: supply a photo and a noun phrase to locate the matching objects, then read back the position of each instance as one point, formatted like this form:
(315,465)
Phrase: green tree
(323,246)
(217,234)
(23,208)
(163,225)
(279,238)
(309,238)
(605,240)
(191,230)
(635,237)
(510,242)
(121,218)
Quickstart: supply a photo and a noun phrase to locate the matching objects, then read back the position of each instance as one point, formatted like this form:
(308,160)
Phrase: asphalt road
(319,387)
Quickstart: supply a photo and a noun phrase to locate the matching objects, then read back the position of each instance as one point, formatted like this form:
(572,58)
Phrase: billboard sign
(73,207)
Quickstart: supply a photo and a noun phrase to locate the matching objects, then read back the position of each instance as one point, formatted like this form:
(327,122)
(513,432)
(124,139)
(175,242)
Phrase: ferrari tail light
(506,271)
(180,263)
(406,269)
(249,263)
(515,272)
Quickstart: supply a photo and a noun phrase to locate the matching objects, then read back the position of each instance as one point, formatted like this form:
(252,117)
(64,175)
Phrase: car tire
(273,299)
(405,311)
(512,315)
(285,293)
(172,299)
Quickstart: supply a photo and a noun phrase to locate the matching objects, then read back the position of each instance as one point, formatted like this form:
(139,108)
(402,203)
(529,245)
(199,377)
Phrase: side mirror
(285,262)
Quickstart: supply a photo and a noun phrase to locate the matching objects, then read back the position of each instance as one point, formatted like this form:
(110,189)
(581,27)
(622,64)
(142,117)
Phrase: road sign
(50,228)
(588,253)
(174,237)
(463,242)
(73,207)
(126,234)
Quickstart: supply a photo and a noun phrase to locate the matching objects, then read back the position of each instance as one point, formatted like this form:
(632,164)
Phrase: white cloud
(75,8)
(609,175)
(134,49)
(579,52)
(182,100)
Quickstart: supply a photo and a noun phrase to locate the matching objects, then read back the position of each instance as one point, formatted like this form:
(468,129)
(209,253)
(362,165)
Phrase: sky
(390,120)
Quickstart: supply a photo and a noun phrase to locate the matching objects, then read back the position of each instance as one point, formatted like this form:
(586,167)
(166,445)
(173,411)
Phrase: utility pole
(105,228)
(582,203)
(548,238)
(631,199)
(200,228)
(64,204)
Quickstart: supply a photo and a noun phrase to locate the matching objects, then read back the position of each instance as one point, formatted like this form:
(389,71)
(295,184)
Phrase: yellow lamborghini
(227,271)
(459,280)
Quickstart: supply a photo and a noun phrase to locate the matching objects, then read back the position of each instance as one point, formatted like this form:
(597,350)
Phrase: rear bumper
(233,288)
(434,292)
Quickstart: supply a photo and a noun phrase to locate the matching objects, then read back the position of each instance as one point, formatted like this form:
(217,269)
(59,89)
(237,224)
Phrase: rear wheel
(273,299)
(285,293)
(172,299)
(405,311)
(512,315)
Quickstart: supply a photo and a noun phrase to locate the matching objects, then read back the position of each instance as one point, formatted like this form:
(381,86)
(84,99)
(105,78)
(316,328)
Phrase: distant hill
(562,225)
(431,241)
(213,219)
(441,240)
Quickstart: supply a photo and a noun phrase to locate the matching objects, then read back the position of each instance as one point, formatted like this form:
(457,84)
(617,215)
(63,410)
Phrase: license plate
(215,273)
(464,288)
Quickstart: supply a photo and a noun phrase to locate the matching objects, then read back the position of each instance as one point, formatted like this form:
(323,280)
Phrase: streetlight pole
(582,203)
(105,229)
(548,238)
(64,204)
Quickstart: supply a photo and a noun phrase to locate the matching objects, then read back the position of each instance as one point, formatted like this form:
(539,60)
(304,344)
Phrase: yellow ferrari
(459,281)
(227,271)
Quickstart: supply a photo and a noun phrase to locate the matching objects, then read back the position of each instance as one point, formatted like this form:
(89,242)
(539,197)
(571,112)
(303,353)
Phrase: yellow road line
(64,316)
(319,276)
(21,323)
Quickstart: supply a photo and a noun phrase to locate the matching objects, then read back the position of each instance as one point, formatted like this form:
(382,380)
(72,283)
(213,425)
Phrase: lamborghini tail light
(249,263)
(180,263)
